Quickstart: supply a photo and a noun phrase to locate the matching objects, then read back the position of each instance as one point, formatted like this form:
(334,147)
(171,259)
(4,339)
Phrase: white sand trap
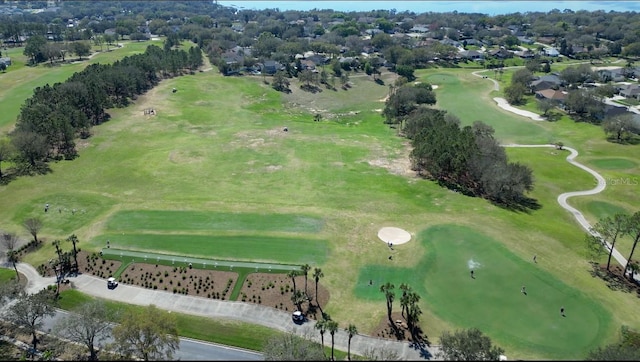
(434,86)
(394,235)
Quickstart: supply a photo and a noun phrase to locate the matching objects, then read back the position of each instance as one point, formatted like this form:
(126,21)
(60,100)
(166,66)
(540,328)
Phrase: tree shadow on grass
(523,204)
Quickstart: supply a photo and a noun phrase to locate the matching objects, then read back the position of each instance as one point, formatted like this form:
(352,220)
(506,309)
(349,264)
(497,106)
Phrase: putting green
(613,163)
(603,209)
(492,301)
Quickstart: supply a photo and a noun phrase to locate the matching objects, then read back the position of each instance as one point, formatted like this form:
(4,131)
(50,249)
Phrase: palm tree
(352,331)
(332,327)
(297,298)
(74,240)
(317,274)
(390,295)
(292,274)
(404,300)
(413,312)
(321,325)
(56,244)
(305,270)
(54,266)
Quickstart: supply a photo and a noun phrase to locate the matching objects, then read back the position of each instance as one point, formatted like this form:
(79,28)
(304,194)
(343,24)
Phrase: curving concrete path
(562,199)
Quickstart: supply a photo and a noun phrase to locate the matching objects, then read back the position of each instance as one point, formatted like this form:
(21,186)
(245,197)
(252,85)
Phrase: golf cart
(297,317)
(112,283)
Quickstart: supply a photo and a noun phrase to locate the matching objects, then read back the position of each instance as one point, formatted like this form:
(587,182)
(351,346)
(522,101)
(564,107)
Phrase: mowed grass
(528,323)
(6,275)
(156,220)
(217,146)
(226,247)
(614,163)
(20,79)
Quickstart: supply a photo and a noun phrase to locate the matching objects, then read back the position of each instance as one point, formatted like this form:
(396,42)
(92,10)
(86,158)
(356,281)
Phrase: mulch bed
(269,289)
(615,278)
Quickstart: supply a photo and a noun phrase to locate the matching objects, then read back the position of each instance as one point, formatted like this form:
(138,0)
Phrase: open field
(20,79)
(215,161)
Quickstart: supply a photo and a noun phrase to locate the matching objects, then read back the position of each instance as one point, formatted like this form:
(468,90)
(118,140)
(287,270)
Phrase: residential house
(271,67)
(447,41)
(501,53)
(525,54)
(419,29)
(630,91)
(318,59)
(471,54)
(475,42)
(308,65)
(612,75)
(525,40)
(551,52)
(611,111)
(557,96)
(550,81)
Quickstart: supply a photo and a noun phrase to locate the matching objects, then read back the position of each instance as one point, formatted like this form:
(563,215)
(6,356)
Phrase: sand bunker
(394,235)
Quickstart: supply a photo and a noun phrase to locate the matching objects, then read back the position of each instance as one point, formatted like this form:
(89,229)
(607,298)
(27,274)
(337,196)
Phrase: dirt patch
(275,290)
(399,331)
(398,165)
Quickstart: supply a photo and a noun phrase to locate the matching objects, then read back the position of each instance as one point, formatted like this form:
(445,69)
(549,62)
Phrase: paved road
(245,312)
(189,350)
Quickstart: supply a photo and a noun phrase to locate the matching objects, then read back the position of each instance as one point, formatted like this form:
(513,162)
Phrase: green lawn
(6,275)
(224,247)
(174,220)
(214,174)
(614,163)
(20,79)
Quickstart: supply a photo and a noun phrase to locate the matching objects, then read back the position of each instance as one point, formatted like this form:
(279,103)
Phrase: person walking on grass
(472,276)
(523,290)
(534,258)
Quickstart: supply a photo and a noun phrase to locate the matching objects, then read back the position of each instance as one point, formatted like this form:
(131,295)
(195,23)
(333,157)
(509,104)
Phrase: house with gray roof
(550,81)
(630,91)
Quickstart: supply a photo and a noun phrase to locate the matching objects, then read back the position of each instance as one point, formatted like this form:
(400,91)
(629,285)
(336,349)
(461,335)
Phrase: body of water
(483,7)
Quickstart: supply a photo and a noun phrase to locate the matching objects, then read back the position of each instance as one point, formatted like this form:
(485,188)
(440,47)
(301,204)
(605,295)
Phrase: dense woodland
(467,159)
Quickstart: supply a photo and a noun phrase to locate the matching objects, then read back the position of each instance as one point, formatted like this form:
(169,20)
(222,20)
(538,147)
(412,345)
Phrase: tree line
(466,159)
(145,333)
(612,229)
(51,119)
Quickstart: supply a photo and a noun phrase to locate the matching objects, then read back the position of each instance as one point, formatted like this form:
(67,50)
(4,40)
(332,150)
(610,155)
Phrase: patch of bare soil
(275,290)
(399,165)
(398,331)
